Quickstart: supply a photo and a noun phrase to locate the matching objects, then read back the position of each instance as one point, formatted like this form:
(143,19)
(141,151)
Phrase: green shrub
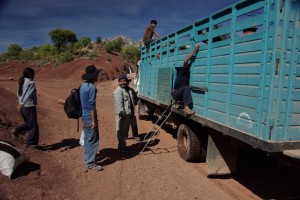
(26,55)
(3,58)
(77,45)
(85,41)
(64,57)
(13,51)
(131,53)
(34,48)
(46,50)
(114,45)
(119,44)
(109,46)
(45,61)
(98,40)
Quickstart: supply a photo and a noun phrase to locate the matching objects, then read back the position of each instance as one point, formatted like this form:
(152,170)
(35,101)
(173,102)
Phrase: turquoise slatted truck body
(246,86)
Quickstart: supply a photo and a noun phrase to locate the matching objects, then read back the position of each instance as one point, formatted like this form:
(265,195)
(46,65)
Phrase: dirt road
(55,170)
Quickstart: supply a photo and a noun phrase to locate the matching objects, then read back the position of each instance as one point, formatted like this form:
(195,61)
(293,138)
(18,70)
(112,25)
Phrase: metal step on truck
(245,82)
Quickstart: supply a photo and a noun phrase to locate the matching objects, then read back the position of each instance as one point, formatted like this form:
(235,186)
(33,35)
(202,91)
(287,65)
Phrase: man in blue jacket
(88,93)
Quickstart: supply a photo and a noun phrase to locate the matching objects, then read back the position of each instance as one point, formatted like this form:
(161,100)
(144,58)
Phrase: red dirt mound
(72,70)
(9,116)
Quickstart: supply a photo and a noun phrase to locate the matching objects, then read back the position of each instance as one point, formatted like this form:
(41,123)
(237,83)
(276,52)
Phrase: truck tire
(189,145)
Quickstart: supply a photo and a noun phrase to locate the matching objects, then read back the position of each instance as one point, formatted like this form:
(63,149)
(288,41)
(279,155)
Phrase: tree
(119,44)
(14,50)
(85,41)
(131,53)
(61,38)
(115,45)
(98,40)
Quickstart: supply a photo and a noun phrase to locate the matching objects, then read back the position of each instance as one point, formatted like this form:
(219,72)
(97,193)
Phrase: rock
(61,101)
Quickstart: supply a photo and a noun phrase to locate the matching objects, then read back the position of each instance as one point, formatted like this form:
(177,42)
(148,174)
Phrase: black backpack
(72,105)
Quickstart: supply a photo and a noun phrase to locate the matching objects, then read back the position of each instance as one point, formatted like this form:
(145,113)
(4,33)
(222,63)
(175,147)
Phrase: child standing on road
(27,97)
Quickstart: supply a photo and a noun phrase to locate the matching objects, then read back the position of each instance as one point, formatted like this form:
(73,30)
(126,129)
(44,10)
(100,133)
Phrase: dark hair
(27,73)
(153,21)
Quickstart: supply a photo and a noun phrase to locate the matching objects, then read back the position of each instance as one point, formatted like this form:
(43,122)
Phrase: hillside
(73,69)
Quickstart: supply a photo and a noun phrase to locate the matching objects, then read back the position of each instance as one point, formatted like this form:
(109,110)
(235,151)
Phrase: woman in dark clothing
(27,97)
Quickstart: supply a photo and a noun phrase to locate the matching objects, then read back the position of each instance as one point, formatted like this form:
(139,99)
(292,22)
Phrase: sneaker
(137,138)
(96,168)
(188,111)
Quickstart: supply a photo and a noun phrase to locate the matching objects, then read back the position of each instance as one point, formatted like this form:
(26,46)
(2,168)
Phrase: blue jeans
(30,125)
(91,142)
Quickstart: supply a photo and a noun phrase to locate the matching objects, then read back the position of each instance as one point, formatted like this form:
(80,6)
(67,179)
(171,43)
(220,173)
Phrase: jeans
(91,142)
(183,93)
(30,124)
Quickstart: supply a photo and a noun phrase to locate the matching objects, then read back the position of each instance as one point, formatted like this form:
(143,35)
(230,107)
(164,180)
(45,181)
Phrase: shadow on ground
(63,145)
(25,169)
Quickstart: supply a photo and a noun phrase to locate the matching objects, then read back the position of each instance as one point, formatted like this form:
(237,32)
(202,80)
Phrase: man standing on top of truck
(182,89)
(150,30)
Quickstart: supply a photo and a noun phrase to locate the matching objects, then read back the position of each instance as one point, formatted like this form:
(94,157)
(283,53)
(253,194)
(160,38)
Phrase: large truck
(245,82)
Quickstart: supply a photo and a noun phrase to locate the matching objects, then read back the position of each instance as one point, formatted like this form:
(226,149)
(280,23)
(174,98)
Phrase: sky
(28,22)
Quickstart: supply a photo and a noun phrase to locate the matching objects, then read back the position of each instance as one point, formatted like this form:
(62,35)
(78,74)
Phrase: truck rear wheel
(189,145)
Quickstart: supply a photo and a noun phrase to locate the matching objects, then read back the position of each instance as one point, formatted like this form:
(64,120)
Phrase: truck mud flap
(221,154)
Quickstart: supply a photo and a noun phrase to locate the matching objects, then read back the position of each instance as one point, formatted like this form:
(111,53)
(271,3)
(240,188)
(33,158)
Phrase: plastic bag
(10,158)
(81,141)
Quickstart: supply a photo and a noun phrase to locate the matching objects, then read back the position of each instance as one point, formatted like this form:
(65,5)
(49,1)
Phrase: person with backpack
(88,93)
(27,97)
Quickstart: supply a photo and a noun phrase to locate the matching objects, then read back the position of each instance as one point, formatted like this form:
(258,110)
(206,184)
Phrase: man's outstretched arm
(189,57)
